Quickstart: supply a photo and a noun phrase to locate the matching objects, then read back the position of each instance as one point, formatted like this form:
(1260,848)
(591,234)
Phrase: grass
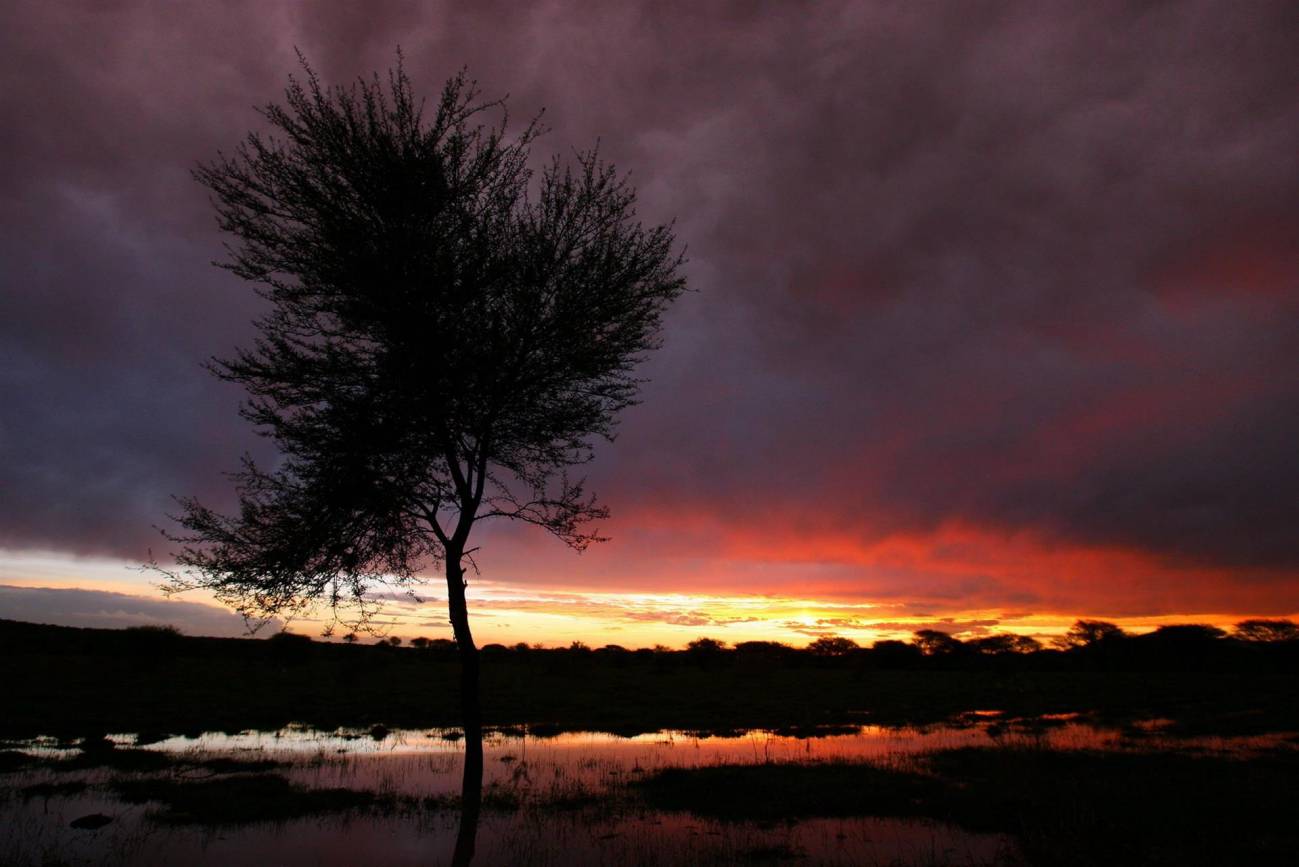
(135,761)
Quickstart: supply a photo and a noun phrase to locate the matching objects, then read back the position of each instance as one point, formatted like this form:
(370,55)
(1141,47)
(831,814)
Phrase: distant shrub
(1187,632)
(154,630)
(287,639)
(997,645)
(152,639)
(289,645)
(891,653)
(933,642)
(1266,630)
(761,648)
(1088,633)
(832,645)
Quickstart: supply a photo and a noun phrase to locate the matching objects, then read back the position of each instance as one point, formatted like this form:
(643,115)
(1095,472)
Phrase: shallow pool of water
(559,799)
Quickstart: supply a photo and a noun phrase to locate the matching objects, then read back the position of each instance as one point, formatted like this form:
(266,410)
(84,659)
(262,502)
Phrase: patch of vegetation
(1068,808)
(1089,807)
(774,792)
(239,800)
(137,761)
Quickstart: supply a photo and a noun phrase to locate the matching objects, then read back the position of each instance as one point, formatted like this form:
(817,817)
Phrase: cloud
(1028,271)
(105,610)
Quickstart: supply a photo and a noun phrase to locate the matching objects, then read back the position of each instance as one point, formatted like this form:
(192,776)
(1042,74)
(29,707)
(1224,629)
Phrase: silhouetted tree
(891,653)
(832,645)
(705,646)
(933,642)
(758,648)
(290,645)
(1085,633)
(448,333)
(1266,630)
(154,630)
(1004,643)
(1187,632)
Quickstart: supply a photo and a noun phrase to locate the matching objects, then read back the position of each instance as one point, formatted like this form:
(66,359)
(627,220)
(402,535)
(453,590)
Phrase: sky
(994,321)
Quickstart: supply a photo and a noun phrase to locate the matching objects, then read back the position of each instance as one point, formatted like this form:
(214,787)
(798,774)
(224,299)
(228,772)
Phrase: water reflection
(471,797)
(535,799)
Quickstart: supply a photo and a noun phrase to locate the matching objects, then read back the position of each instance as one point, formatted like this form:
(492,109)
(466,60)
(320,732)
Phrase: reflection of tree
(471,799)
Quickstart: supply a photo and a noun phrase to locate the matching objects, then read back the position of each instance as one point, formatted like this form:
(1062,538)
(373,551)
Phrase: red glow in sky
(995,324)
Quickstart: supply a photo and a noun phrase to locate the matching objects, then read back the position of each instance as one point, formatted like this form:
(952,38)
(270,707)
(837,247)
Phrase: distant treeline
(65,682)
(1090,645)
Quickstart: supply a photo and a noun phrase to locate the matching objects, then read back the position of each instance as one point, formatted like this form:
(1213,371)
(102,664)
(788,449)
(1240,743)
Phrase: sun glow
(509,613)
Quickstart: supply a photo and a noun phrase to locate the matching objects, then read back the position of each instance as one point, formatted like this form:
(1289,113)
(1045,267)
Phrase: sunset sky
(996,321)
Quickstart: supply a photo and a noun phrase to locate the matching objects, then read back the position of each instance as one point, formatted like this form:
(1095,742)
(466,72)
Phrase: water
(563,799)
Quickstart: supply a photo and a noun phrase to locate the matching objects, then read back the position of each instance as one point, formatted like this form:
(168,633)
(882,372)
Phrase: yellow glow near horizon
(510,613)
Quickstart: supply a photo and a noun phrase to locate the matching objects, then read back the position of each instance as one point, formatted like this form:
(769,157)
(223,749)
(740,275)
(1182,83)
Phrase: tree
(705,646)
(891,653)
(832,645)
(1003,643)
(1086,633)
(448,334)
(934,642)
(1266,630)
(1187,633)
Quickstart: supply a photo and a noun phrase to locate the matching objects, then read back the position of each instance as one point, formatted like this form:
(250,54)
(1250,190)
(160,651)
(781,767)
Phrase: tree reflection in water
(471,797)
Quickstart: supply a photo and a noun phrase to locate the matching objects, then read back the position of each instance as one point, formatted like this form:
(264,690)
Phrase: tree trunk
(471,792)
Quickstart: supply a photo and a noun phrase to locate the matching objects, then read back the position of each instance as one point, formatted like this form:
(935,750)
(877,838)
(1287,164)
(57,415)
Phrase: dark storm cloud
(1026,266)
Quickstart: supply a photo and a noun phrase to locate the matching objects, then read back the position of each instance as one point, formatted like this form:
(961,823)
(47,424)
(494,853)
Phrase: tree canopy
(449,331)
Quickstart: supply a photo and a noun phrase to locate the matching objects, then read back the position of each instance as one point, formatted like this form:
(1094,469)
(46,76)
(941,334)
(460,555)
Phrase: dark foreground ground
(69,682)
(1201,791)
